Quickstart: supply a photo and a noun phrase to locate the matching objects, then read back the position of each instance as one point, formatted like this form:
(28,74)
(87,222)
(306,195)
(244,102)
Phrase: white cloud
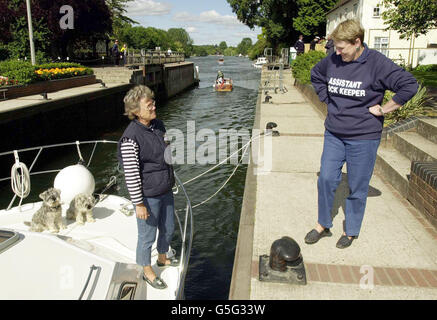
(147,8)
(191,29)
(211,16)
(185,17)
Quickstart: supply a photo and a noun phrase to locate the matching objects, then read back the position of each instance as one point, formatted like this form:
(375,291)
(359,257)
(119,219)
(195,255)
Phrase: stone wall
(63,120)
(178,77)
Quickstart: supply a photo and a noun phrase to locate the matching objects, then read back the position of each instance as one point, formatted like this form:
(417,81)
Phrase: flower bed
(22,78)
(48,86)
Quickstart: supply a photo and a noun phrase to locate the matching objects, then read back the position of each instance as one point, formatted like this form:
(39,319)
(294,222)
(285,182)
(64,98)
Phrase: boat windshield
(7,239)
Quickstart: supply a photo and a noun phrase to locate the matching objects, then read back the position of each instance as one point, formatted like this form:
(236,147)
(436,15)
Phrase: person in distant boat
(143,154)
(220,78)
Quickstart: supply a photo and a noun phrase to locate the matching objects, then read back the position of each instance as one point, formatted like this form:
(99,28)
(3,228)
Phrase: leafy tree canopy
(283,20)
(244,46)
(223,46)
(311,16)
(92,20)
(181,41)
(410,18)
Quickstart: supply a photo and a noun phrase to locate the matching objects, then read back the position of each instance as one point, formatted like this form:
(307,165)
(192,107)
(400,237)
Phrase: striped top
(131,167)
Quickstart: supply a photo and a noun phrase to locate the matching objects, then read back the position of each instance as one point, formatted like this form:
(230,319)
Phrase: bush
(4,52)
(426,68)
(302,65)
(414,107)
(21,71)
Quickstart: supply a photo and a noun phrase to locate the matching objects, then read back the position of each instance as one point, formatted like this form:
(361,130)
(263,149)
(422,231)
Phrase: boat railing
(185,226)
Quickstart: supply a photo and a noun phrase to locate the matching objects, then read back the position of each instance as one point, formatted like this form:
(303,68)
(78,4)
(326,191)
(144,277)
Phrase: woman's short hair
(349,30)
(132,99)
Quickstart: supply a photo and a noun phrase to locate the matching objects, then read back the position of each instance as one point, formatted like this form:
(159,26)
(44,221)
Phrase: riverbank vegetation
(282,21)
(97,23)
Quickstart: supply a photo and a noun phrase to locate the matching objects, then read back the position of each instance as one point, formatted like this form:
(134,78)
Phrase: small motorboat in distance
(226,85)
(221,61)
(260,62)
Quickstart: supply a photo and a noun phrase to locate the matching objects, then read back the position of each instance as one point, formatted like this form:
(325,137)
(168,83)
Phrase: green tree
(180,40)
(311,16)
(146,38)
(223,46)
(230,51)
(410,18)
(200,51)
(244,46)
(258,48)
(276,16)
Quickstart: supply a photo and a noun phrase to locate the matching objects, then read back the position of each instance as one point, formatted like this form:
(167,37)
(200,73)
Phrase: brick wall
(422,189)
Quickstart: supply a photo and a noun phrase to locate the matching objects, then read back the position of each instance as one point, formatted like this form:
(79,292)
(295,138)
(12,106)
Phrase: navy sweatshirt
(350,88)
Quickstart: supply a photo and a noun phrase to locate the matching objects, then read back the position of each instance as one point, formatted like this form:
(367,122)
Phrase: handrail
(92,268)
(147,56)
(185,259)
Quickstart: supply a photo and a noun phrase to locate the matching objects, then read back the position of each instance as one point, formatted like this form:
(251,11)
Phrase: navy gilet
(157,177)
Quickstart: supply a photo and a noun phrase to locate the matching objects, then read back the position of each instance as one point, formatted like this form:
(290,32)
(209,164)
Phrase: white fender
(73,180)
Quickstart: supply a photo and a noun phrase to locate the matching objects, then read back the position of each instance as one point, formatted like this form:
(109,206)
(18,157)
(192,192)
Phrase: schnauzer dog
(49,216)
(81,208)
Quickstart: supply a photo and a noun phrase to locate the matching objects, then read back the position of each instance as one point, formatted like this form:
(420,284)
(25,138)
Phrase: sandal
(313,236)
(157,283)
(173,263)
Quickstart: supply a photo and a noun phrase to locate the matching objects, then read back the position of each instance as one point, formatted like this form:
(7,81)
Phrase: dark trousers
(360,156)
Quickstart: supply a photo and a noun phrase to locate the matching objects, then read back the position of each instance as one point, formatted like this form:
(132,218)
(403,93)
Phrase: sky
(206,21)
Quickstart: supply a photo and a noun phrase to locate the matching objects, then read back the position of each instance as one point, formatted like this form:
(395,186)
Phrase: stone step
(414,146)
(394,167)
(428,128)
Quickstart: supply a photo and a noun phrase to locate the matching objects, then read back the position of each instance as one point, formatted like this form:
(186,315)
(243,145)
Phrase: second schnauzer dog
(49,216)
(81,208)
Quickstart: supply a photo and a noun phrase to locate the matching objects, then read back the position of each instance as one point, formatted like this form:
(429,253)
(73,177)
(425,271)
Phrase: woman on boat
(149,179)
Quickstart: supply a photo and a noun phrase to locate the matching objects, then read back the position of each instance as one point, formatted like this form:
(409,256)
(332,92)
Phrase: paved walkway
(395,243)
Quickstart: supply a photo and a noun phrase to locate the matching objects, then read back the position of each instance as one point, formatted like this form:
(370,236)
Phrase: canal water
(215,222)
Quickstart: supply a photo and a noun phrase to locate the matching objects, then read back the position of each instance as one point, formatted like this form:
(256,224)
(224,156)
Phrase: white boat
(91,261)
(260,62)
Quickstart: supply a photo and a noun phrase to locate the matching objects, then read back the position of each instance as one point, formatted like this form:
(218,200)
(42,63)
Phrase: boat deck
(111,239)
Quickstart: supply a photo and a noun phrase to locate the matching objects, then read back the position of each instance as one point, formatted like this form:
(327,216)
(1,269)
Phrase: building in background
(421,50)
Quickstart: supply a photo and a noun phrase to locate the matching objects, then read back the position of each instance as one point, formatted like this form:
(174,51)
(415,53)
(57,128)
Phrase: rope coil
(20,178)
